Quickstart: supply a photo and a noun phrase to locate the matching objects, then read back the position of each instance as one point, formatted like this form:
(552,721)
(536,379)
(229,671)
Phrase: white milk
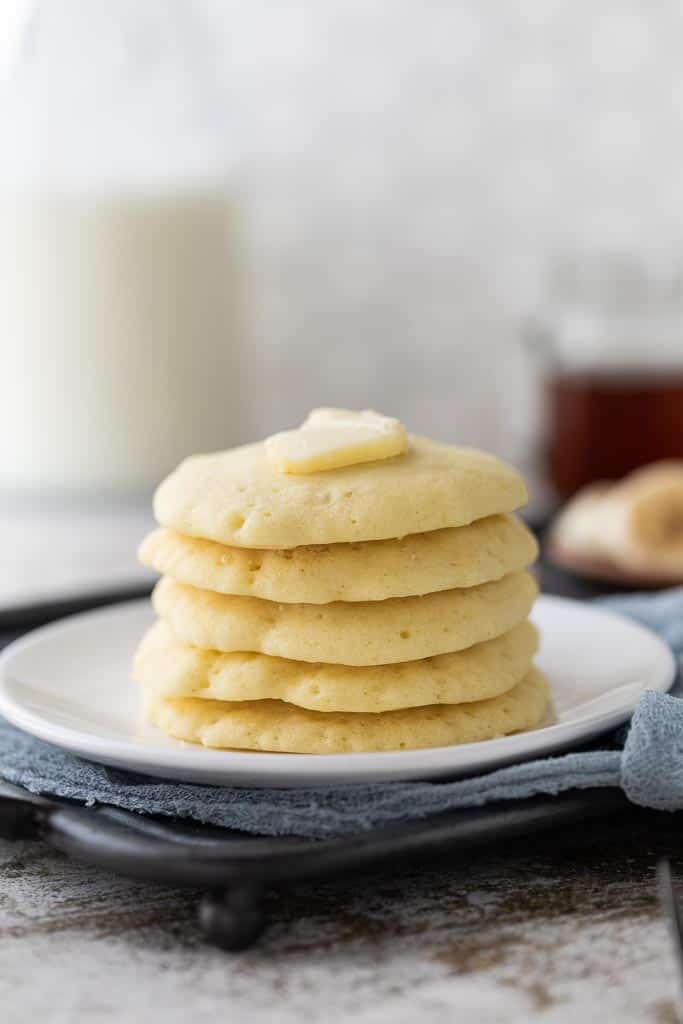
(120,260)
(119,332)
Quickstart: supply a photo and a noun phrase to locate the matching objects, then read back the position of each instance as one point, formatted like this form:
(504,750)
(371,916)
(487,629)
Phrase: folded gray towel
(648,766)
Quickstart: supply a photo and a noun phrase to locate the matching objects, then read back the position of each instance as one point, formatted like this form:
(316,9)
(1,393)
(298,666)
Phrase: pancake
(347,633)
(420,563)
(272,725)
(171,668)
(237,498)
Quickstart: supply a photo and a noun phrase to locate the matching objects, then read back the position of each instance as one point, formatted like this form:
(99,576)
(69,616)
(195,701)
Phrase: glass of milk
(121,271)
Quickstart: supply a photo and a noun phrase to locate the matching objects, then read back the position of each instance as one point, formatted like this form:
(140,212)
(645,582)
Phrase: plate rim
(195,760)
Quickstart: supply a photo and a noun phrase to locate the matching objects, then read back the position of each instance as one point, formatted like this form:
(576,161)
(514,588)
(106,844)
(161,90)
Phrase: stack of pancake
(381,605)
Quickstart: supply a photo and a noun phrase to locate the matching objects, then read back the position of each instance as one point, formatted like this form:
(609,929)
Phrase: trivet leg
(233,918)
(18,819)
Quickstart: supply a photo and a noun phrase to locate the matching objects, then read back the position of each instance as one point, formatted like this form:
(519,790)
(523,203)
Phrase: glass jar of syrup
(611,337)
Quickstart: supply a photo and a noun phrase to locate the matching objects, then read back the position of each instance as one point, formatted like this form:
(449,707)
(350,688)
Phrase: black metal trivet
(236,869)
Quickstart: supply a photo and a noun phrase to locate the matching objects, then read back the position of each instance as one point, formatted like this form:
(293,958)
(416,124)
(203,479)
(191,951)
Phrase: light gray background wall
(409,164)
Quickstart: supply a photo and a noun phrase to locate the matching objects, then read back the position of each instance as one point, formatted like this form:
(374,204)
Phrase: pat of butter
(332,438)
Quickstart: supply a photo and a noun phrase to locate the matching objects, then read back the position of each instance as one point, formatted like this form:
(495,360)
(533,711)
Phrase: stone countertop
(552,929)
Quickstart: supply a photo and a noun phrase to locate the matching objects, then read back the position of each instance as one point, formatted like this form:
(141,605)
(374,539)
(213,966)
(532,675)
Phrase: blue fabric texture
(649,768)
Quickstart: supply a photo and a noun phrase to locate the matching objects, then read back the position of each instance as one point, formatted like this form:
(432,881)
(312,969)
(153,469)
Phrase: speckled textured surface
(550,930)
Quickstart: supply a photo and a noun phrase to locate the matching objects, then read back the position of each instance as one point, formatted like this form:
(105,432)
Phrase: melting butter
(333,438)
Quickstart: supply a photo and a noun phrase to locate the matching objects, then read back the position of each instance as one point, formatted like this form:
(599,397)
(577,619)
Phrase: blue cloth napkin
(648,766)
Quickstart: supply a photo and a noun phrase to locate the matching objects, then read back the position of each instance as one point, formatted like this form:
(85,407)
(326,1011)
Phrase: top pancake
(235,497)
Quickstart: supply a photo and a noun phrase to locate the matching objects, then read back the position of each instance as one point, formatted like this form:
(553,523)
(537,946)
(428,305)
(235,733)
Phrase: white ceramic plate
(69,683)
